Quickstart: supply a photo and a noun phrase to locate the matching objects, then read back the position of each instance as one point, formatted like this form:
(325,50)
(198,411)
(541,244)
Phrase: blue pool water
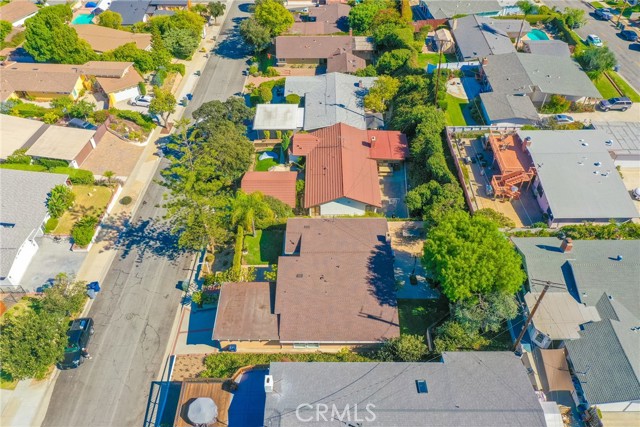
(537,35)
(83,19)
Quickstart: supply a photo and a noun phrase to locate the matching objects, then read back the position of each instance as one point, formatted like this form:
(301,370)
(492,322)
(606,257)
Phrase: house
(132,11)
(23,211)
(64,143)
(333,98)
(547,47)
(282,117)
(537,76)
(280,185)
(17,133)
(322,19)
(351,257)
(344,54)
(16,12)
(342,163)
(624,141)
(44,82)
(506,109)
(447,9)
(477,37)
(601,276)
(464,389)
(103,39)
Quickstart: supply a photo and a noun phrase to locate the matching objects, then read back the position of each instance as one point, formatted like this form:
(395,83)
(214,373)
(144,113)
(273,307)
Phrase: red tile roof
(341,162)
(281,185)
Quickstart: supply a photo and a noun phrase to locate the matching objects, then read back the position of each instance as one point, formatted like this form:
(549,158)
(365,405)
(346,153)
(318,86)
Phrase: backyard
(416,315)
(265,247)
(90,200)
(455,111)
(265,164)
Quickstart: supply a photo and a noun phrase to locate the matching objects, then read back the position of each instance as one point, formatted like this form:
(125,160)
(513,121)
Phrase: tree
(392,61)
(381,93)
(391,36)
(251,211)
(527,7)
(405,348)
(499,218)
(49,38)
(255,34)
(82,109)
(110,19)
(361,16)
(63,103)
(281,211)
(144,61)
(180,42)
(216,9)
(234,109)
(60,199)
(65,298)
(83,230)
(452,336)
(597,60)
(31,343)
(488,314)
(470,257)
(574,18)
(272,15)
(5,29)
(432,199)
(162,104)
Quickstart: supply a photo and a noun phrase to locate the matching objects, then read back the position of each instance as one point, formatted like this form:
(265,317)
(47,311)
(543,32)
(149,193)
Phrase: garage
(123,95)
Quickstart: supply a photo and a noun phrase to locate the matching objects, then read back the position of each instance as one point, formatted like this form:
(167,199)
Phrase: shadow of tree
(380,277)
(233,45)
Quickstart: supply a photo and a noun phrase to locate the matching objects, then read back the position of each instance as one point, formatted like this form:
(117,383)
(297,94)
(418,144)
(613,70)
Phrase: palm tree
(250,210)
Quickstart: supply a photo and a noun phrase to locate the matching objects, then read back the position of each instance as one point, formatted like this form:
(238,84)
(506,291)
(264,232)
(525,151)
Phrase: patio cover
(556,370)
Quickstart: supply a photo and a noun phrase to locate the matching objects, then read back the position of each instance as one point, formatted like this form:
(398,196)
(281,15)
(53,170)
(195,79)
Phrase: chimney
(373,141)
(567,245)
(268,383)
(387,237)
(485,60)
(526,144)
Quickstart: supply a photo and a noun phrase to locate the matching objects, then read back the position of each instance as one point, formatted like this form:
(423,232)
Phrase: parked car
(81,124)
(604,14)
(141,101)
(79,334)
(636,193)
(562,119)
(622,104)
(594,40)
(629,35)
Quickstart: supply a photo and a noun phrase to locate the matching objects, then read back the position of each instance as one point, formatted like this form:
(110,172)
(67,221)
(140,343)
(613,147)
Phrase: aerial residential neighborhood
(355,213)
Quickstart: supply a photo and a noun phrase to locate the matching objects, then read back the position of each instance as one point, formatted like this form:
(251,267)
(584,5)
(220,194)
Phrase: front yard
(90,200)
(416,315)
(265,247)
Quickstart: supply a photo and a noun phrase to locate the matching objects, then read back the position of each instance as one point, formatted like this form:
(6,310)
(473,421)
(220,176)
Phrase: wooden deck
(193,389)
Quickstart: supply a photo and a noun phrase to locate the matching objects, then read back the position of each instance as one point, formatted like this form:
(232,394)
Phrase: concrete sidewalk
(27,405)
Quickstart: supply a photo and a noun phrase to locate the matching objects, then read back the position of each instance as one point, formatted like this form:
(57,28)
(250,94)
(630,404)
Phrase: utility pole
(621,12)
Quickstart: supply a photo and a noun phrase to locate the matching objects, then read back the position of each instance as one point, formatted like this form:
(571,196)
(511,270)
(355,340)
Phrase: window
(305,345)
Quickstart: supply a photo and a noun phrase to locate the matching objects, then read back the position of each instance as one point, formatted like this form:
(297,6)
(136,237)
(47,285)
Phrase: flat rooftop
(16,133)
(62,143)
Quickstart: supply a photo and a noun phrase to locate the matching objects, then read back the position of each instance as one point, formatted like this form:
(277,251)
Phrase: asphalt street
(223,74)
(628,54)
(135,310)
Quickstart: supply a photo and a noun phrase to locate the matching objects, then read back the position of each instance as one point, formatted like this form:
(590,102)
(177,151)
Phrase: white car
(594,40)
(141,101)
(562,119)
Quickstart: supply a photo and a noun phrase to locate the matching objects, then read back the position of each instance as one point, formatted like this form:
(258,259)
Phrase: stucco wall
(343,206)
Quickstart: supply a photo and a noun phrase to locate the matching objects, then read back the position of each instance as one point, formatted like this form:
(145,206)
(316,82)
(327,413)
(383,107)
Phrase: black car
(629,35)
(604,14)
(81,124)
(79,334)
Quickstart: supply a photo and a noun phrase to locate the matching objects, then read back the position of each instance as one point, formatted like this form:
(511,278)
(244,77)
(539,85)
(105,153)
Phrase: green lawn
(597,4)
(416,315)
(606,89)
(265,247)
(454,114)
(264,165)
(429,58)
(90,200)
(626,89)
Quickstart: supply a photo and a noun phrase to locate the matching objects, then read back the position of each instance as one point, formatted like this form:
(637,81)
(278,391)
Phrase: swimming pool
(84,18)
(537,35)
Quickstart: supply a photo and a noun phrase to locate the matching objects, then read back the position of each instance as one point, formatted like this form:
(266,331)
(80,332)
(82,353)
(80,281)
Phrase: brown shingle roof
(281,185)
(103,39)
(345,62)
(340,288)
(312,47)
(331,18)
(130,79)
(245,312)
(341,162)
(17,10)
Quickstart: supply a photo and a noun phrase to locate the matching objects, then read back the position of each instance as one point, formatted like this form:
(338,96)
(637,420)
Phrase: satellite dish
(203,410)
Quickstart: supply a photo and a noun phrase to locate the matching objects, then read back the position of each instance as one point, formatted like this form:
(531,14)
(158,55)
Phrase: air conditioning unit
(268,383)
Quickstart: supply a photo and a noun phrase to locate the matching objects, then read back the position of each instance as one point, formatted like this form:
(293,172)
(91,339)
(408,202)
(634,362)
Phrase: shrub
(159,77)
(101,116)
(253,70)
(52,163)
(60,199)
(81,176)
(266,93)
(143,120)
(19,157)
(142,88)
(51,117)
(83,230)
(271,72)
(556,105)
(177,68)
(28,110)
(292,98)
(50,225)
(126,200)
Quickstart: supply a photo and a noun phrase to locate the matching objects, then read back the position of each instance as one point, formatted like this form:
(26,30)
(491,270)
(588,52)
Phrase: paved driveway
(628,54)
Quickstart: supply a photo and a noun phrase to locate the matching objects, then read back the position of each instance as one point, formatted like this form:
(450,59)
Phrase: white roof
(559,315)
(278,117)
(15,133)
(62,143)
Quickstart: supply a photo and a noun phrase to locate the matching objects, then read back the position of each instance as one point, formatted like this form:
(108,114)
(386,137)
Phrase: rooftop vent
(421,386)
(299,275)
(268,383)
(619,258)
(598,164)
(608,143)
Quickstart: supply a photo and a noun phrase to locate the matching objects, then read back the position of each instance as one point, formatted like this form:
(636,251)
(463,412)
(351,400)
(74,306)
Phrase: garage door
(126,94)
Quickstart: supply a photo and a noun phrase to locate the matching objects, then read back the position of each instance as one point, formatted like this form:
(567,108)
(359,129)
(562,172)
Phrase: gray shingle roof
(331,98)
(605,358)
(578,176)
(504,108)
(468,389)
(519,73)
(478,36)
(132,11)
(23,197)
(441,9)
(548,47)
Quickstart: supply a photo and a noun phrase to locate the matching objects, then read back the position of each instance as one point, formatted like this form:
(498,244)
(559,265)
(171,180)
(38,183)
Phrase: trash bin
(616,68)
(91,294)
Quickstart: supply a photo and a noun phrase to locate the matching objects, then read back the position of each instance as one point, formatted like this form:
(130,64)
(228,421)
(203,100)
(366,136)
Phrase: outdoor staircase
(503,185)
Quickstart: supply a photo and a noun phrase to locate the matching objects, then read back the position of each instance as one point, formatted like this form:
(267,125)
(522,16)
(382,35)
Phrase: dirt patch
(188,366)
